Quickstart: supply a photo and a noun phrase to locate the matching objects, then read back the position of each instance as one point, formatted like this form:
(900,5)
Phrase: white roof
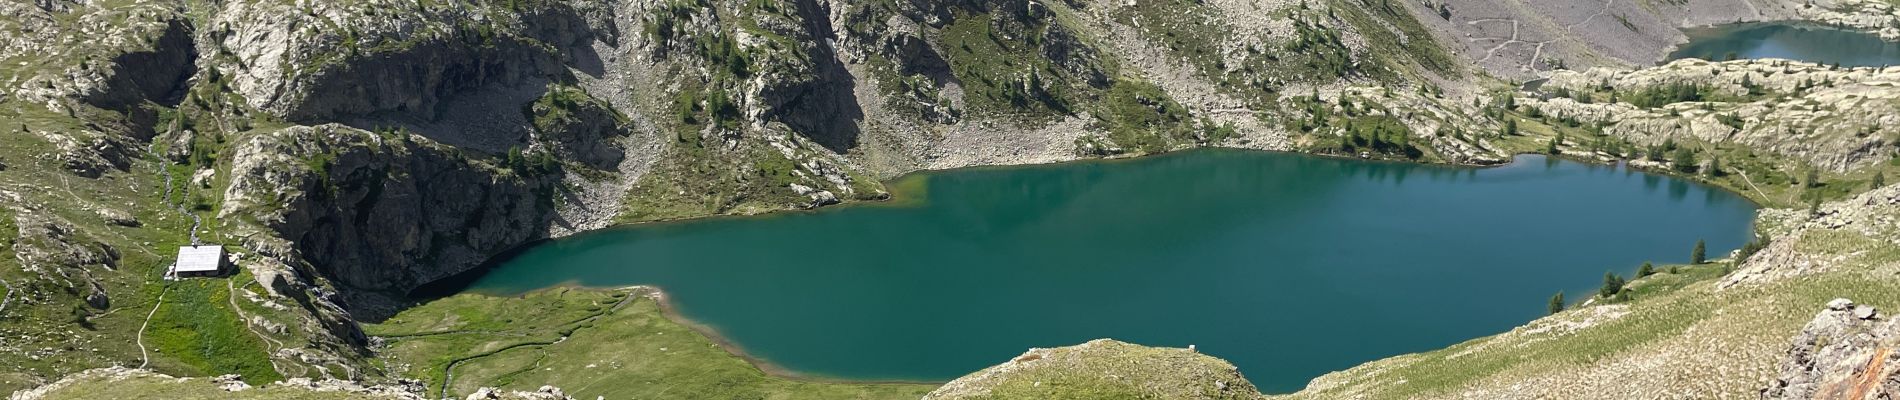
(199,258)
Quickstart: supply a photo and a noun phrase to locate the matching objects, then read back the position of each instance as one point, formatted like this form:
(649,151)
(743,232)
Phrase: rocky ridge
(1831,118)
(1104,368)
(1879,17)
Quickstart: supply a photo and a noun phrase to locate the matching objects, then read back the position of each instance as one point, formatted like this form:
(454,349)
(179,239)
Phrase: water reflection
(1789,40)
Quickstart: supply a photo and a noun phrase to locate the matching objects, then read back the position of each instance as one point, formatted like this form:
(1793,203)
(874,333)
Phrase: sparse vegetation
(502,341)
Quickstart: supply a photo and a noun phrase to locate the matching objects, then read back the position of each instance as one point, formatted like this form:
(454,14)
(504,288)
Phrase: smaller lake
(1288,265)
(1802,41)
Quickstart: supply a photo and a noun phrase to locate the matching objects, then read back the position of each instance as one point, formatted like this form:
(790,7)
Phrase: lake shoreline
(910,191)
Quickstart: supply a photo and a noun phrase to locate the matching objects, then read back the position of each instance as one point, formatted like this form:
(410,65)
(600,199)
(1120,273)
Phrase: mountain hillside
(348,152)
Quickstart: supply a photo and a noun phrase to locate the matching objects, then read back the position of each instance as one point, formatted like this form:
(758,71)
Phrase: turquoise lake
(1289,266)
(1790,40)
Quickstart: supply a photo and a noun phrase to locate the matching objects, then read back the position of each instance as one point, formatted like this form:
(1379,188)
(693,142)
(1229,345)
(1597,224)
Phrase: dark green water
(1289,266)
(1790,40)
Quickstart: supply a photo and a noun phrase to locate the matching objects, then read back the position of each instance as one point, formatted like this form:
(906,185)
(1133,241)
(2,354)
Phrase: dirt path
(273,345)
(7,298)
(1592,17)
(1751,184)
(145,357)
(448,371)
(1516,30)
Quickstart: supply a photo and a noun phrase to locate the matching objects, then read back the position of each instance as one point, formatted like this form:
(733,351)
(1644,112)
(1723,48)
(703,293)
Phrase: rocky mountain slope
(351,151)
(1842,354)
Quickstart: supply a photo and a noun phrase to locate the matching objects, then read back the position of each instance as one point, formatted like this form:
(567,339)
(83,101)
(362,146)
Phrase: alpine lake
(1287,265)
(1802,41)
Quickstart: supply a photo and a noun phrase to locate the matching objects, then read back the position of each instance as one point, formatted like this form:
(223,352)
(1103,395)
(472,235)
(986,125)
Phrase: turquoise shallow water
(1789,40)
(1287,265)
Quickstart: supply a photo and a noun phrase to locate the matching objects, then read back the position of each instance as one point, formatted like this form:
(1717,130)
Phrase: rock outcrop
(317,62)
(1104,368)
(1878,16)
(1831,118)
(1875,214)
(1846,353)
(66,259)
(122,382)
(382,212)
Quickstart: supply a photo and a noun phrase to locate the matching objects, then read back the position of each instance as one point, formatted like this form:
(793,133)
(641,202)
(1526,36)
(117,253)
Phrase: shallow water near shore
(1800,41)
(1287,265)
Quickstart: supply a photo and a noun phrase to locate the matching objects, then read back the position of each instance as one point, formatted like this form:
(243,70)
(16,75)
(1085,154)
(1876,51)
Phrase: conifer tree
(1684,160)
(1612,285)
(1557,303)
(1698,255)
(1646,270)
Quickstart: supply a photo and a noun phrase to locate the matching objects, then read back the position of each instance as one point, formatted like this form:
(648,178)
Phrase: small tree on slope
(1612,285)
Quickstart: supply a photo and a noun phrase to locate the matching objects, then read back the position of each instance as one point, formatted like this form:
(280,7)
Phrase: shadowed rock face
(150,74)
(374,62)
(1846,353)
(380,214)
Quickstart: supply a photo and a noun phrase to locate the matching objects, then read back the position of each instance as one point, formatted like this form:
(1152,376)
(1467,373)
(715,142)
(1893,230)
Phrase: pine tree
(1880,179)
(1700,253)
(1684,160)
(1612,285)
(1715,168)
(1646,270)
(1557,303)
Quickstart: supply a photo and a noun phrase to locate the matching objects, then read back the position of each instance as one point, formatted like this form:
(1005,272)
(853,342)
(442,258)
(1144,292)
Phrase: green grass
(1140,116)
(196,326)
(155,387)
(45,339)
(629,351)
(1728,340)
(1109,370)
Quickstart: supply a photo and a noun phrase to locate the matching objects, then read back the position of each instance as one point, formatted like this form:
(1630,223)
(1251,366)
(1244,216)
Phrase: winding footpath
(145,357)
(6,298)
(273,345)
(1537,47)
(448,371)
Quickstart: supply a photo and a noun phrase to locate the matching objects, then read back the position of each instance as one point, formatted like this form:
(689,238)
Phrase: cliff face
(140,55)
(327,60)
(382,212)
